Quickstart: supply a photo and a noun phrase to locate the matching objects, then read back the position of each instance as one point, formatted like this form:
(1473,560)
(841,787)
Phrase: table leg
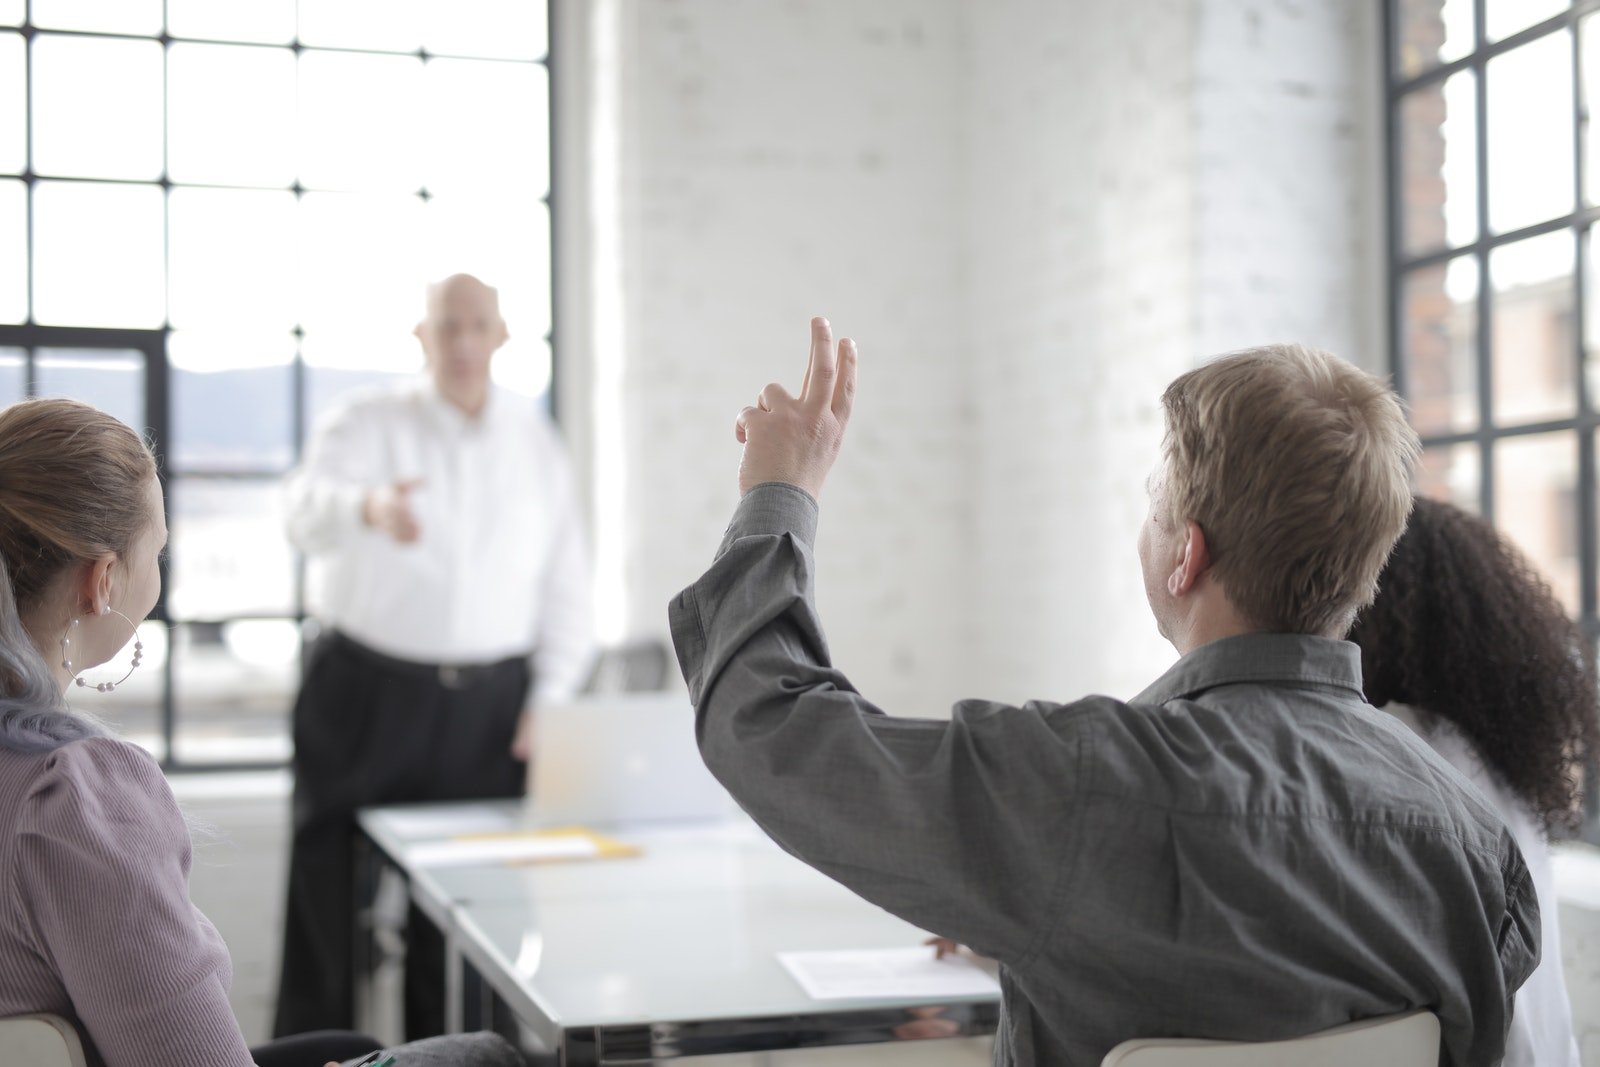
(454,983)
(365,881)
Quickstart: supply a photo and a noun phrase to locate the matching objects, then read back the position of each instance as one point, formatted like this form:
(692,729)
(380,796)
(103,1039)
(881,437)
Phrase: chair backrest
(39,1041)
(1392,1041)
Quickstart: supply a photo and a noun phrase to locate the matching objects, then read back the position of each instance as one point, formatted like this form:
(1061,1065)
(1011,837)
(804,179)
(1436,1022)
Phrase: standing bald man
(442,518)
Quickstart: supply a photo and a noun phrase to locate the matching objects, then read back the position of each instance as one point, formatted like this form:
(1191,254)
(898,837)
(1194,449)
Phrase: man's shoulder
(1331,761)
(372,404)
(528,419)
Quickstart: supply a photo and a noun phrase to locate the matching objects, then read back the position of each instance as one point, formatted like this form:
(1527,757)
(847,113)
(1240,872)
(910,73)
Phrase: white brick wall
(786,160)
(1152,184)
(1081,228)
(1288,171)
(1032,214)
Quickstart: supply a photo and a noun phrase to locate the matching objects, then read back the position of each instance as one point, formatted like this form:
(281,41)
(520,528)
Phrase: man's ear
(1192,563)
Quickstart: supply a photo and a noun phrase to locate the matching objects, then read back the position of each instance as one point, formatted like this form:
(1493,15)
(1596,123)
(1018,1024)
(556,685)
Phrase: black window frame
(1584,424)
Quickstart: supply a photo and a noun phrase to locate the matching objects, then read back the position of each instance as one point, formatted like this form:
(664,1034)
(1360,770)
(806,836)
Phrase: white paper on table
(901,973)
(502,849)
(450,821)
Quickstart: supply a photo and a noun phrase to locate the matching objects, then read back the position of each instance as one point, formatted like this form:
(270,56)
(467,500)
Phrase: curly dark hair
(1464,628)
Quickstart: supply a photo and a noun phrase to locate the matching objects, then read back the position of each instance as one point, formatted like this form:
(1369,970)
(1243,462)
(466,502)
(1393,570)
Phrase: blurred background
(215,218)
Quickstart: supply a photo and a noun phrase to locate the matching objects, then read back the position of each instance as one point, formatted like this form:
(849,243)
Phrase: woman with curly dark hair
(1468,646)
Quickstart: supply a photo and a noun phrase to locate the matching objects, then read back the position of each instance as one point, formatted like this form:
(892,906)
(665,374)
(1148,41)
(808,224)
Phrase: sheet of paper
(449,821)
(900,973)
(506,848)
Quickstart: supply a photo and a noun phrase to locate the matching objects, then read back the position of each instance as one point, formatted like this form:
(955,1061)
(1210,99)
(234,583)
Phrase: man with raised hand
(1245,850)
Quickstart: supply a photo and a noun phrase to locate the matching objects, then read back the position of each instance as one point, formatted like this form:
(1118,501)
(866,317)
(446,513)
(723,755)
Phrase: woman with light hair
(97,925)
(1467,645)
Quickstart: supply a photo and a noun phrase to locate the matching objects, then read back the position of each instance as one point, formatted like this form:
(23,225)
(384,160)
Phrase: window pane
(232,402)
(1438,165)
(232,686)
(12,12)
(268,21)
(231,114)
(110,379)
(98,255)
(511,29)
(1530,124)
(1533,351)
(104,16)
(359,264)
(13,251)
(386,25)
(13,368)
(13,115)
(504,242)
(1589,42)
(1536,505)
(1502,18)
(338,365)
(487,125)
(1431,32)
(232,255)
(1452,473)
(133,710)
(229,553)
(358,121)
(523,366)
(97,107)
(1591,320)
(1439,333)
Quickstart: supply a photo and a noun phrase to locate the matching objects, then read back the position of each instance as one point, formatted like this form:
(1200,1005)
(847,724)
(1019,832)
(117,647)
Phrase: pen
(376,1059)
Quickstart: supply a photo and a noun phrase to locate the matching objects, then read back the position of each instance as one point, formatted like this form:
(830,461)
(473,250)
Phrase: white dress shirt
(1541,1024)
(500,568)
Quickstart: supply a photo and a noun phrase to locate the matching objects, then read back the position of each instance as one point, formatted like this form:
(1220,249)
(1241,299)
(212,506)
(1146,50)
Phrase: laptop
(620,758)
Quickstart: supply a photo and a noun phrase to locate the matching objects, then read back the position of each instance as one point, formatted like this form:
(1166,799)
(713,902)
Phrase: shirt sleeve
(325,494)
(564,648)
(102,867)
(956,826)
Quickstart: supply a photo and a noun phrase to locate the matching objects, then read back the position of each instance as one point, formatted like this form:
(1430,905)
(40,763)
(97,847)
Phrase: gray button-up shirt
(1244,851)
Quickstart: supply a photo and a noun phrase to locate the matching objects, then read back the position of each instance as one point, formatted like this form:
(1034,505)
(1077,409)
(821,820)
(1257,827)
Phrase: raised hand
(796,439)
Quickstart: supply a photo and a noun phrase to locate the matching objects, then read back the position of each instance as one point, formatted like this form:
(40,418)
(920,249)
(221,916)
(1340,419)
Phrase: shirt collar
(446,414)
(1292,659)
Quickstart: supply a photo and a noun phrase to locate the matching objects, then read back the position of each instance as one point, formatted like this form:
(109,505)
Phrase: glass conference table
(669,953)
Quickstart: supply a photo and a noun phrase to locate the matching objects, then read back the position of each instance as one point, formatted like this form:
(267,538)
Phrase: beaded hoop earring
(67,645)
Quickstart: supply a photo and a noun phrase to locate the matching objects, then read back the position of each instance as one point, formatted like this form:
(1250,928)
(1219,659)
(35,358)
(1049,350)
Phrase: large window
(1494,172)
(217,217)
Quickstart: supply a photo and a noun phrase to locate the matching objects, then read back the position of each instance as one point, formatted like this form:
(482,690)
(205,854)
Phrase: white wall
(1083,236)
(1153,184)
(781,161)
(1032,214)
(1288,169)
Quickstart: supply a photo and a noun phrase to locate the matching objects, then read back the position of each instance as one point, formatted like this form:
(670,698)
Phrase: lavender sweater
(96,922)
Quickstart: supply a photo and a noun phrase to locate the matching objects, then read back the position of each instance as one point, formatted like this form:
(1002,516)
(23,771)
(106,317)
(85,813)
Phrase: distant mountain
(244,419)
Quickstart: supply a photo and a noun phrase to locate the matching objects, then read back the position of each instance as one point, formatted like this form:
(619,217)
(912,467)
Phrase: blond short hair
(1298,468)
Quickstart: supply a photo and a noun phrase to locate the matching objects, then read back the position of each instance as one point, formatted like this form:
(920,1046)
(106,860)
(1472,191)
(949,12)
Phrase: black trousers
(373,730)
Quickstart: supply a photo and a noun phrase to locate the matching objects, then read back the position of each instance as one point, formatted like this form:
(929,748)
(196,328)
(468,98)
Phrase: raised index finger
(821,370)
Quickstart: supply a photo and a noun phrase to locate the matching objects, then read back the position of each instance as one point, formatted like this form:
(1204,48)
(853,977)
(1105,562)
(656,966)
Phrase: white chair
(39,1041)
(1392,1041)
